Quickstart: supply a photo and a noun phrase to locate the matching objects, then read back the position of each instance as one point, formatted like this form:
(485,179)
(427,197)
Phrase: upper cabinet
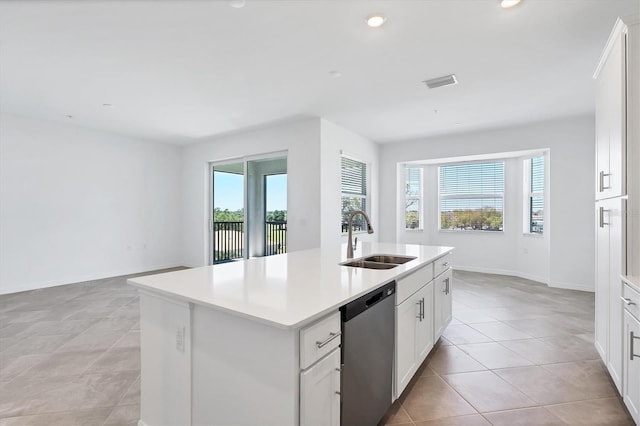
(611,113)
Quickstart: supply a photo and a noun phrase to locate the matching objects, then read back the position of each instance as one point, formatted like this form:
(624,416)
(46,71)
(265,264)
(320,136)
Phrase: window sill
(454,231)
(532,235)
(413,230)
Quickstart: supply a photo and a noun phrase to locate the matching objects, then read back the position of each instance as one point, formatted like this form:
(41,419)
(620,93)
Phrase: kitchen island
(236,343)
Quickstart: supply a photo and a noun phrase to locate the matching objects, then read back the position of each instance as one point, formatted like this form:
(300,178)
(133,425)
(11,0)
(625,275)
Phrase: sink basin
(369,265)
(389,258)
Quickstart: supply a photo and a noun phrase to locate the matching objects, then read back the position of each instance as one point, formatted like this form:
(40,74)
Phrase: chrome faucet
(349,240)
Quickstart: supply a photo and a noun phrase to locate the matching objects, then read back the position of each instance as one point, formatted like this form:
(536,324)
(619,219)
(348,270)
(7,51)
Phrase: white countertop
(287,290)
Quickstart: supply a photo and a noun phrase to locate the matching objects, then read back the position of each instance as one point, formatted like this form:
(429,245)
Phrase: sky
(228,191)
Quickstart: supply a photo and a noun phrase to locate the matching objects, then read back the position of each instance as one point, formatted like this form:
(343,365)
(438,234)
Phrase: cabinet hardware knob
(445,264)
(338,369)
(626,301)
(337,392)
(332,336)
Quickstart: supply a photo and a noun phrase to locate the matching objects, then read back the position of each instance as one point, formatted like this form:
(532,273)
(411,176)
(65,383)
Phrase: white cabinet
(609,267)
(320,375)
(320,392)
(414,335)
(610,118)
(424,324)
(631,391)
(617,186)
(442,302)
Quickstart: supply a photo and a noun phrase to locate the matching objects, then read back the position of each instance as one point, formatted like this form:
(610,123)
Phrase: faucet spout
(349,237)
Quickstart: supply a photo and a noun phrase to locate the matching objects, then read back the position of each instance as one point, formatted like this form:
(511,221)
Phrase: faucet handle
(355,244)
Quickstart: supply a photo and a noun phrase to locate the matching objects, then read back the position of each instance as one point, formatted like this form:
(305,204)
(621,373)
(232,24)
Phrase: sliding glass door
(249,208)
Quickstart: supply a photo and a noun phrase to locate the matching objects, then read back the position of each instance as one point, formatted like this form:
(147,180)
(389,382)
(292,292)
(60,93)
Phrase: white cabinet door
(407,316)
(609,244)
(614,214)
(442,303)
(631,392)
(602,281)
(424,325)
(611,123)
(319,392)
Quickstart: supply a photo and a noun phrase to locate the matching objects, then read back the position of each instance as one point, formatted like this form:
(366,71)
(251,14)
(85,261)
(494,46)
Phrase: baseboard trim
(572,286)
(541,280)
(83,278)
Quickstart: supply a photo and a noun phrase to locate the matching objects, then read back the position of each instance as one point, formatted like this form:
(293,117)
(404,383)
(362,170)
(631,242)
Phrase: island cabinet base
(204,366)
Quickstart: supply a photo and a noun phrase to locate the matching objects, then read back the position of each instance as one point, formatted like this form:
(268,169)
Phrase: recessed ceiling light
(375,21)
(335,74)
(506,4)
(68,115)
(237,4)
(107,105)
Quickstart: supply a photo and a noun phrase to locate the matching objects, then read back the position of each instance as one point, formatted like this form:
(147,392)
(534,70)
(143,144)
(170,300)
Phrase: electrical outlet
(180,339)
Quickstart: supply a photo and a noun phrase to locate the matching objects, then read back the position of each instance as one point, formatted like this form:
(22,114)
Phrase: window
(472,196)
(534,195)
(413,197)
(354,192)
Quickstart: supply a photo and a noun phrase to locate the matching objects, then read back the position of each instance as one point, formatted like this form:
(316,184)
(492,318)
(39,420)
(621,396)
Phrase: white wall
(79,204)
(301,140)
(337,141)
(569,241)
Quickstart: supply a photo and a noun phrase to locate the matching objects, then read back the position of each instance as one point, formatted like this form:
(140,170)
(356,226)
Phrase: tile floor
(516,353)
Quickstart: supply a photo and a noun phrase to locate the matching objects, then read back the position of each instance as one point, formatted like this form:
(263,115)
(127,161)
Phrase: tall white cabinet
(617,198)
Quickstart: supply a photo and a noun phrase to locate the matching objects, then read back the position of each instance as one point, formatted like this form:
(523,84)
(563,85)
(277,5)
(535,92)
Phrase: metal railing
(275,241)
(228,240)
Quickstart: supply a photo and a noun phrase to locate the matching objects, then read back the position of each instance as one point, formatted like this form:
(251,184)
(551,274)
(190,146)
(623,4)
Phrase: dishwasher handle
(374,299)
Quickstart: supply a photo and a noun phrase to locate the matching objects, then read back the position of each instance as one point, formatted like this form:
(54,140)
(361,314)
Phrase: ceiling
(178,71)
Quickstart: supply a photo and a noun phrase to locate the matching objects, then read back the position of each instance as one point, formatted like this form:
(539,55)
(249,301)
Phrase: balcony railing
(276,238)
(228,239)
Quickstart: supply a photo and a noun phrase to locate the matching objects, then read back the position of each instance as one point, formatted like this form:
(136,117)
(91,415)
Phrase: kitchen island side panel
(244,372)
(165,352)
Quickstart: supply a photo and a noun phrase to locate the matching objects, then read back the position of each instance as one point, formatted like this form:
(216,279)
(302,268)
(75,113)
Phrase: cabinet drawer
(319,339)
(411,283)
(632,301)
(442,264)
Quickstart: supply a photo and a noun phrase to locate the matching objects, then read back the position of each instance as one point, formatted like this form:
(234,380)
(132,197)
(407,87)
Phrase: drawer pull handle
(445,264)
(631,339)
(602,222)
(337,392)
(602,175)
(330,338)
(626,301)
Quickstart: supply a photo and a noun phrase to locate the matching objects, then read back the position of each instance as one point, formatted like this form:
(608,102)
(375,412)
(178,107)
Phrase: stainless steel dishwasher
(368,335)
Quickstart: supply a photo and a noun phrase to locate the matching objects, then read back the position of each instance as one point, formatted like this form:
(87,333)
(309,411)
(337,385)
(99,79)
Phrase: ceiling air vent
(446,80)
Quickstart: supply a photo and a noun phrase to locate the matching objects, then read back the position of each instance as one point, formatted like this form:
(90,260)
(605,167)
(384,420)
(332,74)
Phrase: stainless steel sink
(389,258)
(369,265)
(379,261)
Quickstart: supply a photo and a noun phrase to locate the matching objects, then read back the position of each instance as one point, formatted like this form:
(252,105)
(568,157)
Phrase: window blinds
(354,177)
(471,196)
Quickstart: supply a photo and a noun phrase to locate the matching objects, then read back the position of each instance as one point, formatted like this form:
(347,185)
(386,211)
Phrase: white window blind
(534,181)
(472,196)
(354,191)
(413,197)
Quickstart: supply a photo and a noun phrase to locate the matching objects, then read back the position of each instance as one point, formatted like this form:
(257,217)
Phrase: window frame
(528,195)
(365,196)
(468,196)
(419,198)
